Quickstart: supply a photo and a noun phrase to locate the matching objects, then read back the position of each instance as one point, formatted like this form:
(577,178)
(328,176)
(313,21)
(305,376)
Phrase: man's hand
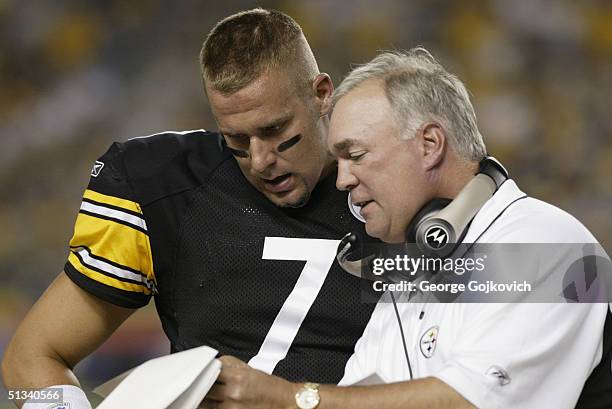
(240,386)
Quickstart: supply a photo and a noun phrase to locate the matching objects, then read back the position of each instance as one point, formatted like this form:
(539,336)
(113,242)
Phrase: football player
(234,235)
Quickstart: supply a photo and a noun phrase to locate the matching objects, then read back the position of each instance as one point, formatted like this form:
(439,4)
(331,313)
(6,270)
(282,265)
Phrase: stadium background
(77,75)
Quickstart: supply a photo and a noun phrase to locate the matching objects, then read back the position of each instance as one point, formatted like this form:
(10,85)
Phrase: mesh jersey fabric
(205,231)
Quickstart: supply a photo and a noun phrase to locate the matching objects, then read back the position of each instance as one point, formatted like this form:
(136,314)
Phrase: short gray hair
(419,89)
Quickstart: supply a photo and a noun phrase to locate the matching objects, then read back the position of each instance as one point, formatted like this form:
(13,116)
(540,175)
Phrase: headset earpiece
(432,234)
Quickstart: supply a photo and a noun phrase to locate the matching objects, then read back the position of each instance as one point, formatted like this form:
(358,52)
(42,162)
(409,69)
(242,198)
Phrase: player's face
(277,136)
(383,173)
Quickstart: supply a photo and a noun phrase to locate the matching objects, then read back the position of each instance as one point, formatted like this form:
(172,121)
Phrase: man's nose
(345,180)
(262,154)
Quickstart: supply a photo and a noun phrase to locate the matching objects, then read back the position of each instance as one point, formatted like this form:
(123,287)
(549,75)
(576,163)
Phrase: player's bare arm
(65,325)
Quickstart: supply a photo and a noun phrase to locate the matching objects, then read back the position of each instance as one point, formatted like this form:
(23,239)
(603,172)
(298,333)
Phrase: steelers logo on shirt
(428,342)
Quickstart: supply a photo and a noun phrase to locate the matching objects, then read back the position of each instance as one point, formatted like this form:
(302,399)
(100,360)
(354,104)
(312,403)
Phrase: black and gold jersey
(171,216)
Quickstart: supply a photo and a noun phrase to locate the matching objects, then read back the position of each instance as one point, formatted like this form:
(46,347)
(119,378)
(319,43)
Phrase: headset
(437,228)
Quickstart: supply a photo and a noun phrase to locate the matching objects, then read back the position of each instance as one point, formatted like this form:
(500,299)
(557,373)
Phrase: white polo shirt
(495,355)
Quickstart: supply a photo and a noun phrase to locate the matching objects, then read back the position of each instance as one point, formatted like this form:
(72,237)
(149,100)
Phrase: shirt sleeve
(515,355)
(529,355)
(110,252)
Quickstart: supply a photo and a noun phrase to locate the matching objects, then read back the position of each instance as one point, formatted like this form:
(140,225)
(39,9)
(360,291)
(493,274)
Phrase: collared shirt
(495,355)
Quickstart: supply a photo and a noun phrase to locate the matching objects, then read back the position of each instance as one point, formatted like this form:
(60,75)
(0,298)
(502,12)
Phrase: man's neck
(455,174)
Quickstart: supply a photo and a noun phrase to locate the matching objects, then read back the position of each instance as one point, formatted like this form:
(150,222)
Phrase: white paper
(107,387)
(176,381)
(371,379)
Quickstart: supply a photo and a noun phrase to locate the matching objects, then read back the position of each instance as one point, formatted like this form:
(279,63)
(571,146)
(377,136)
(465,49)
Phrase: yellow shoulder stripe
(113,241)
(112,200)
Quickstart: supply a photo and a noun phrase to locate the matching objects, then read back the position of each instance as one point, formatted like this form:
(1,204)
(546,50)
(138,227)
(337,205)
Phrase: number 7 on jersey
(319,255)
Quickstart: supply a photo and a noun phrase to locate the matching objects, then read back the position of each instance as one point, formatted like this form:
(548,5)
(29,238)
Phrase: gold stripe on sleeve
(112,200)
(116,242)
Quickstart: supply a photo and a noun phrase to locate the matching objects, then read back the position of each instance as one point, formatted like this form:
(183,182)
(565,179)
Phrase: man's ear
(323,88)
(433,144)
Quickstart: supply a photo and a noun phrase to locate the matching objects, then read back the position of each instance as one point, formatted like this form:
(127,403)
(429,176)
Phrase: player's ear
(432,142)
(323,88)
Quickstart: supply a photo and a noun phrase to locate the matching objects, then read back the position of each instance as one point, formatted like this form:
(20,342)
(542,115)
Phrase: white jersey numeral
(319,255)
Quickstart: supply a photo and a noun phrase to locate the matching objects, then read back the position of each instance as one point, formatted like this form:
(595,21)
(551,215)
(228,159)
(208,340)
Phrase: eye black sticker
(283,146)
(238,153)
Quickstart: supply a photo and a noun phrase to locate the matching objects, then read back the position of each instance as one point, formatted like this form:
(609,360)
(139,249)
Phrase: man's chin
(383,235)
(293,199)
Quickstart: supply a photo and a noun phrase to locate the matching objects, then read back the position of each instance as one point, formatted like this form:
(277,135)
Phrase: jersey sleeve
(110,252)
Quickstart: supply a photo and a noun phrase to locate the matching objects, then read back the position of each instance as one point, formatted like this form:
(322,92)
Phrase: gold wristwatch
(308,397)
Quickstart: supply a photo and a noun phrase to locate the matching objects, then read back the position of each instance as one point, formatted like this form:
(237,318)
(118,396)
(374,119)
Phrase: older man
(404,132)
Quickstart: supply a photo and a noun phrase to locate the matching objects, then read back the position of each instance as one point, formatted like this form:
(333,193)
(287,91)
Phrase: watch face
(307,399)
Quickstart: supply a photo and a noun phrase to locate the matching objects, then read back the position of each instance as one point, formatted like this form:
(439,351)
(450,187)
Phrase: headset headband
(437,235)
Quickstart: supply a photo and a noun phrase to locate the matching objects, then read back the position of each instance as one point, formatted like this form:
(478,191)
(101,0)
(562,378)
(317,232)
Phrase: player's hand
(240,387)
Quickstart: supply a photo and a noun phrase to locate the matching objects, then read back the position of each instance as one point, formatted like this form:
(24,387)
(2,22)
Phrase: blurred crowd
(77,75)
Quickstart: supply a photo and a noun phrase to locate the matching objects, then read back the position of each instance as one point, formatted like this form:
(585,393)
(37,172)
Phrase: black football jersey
(172,216)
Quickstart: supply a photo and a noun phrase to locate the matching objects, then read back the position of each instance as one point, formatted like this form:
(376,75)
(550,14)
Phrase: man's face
(383,173)
(276,135)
